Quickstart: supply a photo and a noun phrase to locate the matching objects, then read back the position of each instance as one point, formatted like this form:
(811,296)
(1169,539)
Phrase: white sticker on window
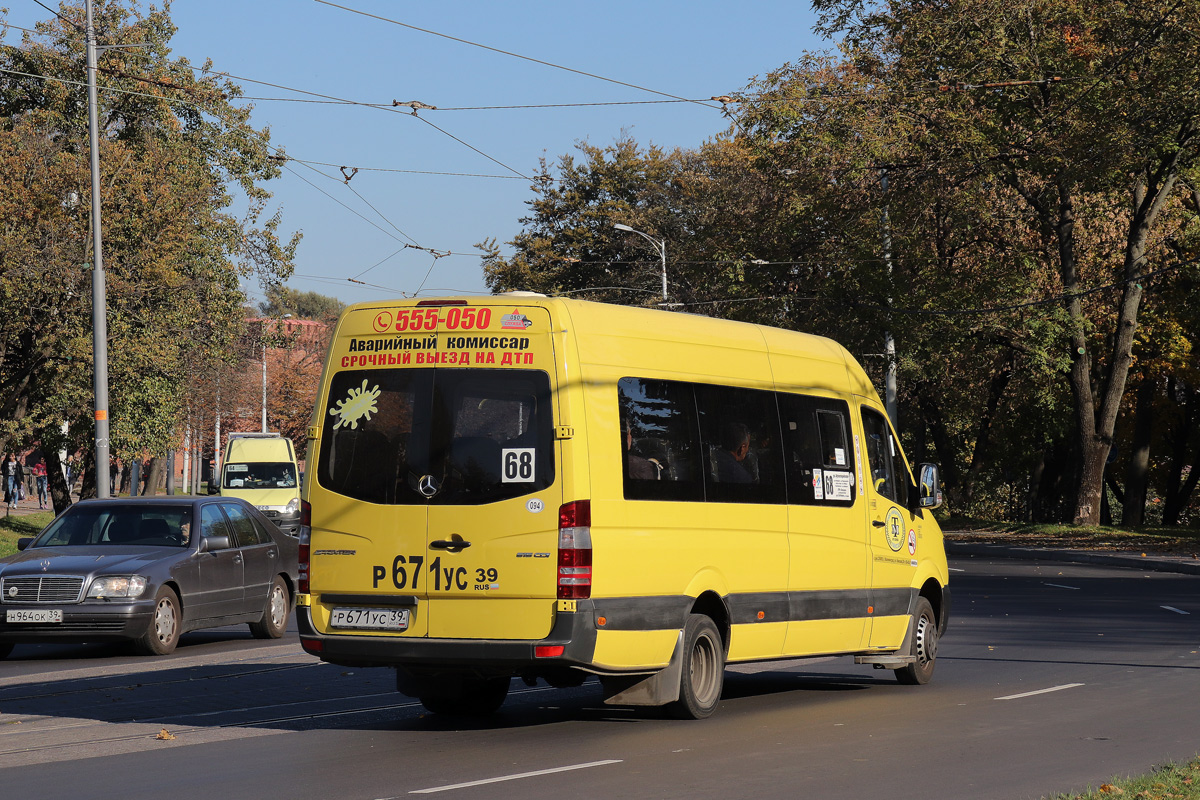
(236,468)
(818,485)
(517,464)
(839,456)
(837,485)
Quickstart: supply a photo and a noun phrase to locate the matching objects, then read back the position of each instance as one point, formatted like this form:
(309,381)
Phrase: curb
(1180,564)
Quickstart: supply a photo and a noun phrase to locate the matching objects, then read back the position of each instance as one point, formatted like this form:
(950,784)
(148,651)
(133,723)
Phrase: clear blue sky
(694,49)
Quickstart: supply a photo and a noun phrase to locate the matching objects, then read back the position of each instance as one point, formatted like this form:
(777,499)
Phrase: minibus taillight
(575,550)
(304,537)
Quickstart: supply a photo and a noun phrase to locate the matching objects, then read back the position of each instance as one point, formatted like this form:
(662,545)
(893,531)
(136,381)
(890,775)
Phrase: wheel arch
(932,591)
(712,605)
(174,587)
(291,589)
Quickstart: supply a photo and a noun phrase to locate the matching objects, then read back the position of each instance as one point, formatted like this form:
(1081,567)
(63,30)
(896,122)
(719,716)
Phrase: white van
(261,469)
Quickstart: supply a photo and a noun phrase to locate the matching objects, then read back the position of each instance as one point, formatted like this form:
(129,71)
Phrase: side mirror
(218,542)
(929,486)
(214,489)
(23,542)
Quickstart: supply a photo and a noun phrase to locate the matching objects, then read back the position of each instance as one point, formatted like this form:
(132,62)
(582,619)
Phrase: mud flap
(657,689)
(899,658)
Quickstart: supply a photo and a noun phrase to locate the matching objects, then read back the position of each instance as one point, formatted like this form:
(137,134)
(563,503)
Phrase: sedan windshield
(119,524)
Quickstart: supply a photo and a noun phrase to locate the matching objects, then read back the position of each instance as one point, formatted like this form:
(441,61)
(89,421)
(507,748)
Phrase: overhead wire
(512,54)
(267,143)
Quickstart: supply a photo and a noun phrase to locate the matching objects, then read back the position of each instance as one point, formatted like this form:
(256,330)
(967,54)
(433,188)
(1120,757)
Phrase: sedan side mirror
(216,542)
(23,542)
(929,487)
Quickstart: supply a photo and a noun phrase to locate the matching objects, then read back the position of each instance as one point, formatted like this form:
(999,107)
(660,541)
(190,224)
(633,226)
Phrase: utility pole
(264,403)
(99,303)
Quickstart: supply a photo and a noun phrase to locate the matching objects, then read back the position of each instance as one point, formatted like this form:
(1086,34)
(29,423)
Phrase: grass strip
(1167,782)
(13,527)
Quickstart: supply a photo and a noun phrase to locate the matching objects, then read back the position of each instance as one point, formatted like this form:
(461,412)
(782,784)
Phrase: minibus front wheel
(923,648)
(703,670)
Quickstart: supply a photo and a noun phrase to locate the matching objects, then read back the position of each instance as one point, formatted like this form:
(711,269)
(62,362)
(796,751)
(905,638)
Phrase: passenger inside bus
(731,457)
(639,467)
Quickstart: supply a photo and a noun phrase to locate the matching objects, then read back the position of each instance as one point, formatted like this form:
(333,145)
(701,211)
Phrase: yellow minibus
(544,488)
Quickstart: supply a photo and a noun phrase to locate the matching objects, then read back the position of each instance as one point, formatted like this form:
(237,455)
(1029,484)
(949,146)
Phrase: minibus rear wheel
(465,697)
(703,670)
(923,648)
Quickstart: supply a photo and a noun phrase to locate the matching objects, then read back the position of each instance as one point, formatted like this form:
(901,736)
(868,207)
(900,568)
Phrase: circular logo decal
(893,529)
(912,542)
(535,506)
(383,321)
(13,591)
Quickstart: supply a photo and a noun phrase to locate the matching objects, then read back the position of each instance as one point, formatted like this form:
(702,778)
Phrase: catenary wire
(513,55)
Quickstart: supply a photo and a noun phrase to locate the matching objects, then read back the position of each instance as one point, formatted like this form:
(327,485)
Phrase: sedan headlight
(117,586)
(293,507)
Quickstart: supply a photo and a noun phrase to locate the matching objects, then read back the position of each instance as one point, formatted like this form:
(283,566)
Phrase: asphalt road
(1052,677)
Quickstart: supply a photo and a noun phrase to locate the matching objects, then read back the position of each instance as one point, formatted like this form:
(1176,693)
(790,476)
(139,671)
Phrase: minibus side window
(820,462)
(739,430)
(887,470)
(660,443)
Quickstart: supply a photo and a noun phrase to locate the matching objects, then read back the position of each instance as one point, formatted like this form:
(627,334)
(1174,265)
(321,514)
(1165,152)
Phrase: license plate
(372,619)
(33,615)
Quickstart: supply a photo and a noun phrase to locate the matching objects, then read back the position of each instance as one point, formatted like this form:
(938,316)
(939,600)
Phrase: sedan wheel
(162,634)
(274,619)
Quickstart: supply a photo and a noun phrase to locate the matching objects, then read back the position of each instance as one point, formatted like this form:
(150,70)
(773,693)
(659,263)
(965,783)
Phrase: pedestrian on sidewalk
(13,474)
(39,476)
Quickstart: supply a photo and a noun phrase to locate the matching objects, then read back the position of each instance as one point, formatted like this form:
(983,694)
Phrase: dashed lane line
(1039,691)
(518,776)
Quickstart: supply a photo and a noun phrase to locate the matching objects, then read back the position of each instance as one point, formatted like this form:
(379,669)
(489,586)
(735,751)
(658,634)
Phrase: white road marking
(1039,691)
(1176,610)
(956,569)
(1061,586)
(516,777)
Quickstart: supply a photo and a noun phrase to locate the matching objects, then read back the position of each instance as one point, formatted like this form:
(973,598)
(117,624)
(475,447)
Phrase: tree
(173,146)
(282,301)
(1099,162)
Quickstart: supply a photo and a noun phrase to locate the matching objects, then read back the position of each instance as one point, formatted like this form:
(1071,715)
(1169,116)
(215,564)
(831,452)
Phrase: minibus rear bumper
(574,632)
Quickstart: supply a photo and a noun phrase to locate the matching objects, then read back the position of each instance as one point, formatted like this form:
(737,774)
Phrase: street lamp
(660,246)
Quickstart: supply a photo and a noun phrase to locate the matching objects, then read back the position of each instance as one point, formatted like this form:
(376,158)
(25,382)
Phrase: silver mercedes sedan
(148,570)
